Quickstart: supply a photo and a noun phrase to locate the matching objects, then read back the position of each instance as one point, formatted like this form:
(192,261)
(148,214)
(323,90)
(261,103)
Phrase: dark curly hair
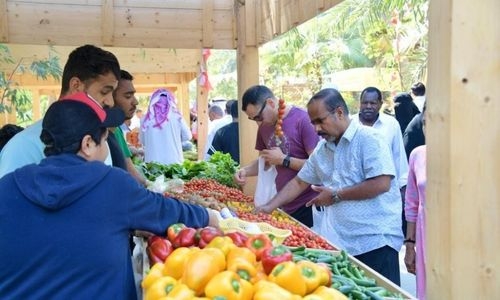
(7,132)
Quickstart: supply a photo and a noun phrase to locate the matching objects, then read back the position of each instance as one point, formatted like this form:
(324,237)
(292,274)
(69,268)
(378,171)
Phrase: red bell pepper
(273,256)
(258,243)
(173,230)
(158,249)
(239,238)
(206,235)
(185,238)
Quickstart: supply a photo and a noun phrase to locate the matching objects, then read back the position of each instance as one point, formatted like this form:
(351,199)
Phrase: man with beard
(352,170)
(370,103)
(124,97)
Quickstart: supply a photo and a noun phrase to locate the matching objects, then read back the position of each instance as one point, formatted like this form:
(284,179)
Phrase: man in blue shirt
(353,171)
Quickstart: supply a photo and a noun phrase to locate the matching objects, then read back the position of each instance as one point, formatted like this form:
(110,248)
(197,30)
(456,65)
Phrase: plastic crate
(277,235)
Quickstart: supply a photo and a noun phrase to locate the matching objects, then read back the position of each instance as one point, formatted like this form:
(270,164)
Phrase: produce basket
(277,235)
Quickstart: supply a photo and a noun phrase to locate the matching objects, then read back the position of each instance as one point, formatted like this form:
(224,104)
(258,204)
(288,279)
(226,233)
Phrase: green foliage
(14,96)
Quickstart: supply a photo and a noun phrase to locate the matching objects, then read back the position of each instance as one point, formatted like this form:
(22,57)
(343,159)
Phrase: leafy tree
(13,96)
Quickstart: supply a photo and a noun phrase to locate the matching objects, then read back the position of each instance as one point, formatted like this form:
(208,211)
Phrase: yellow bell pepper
(199,269)
(288,275)
(228,285)
(241,252)
(329,293)
(160,288)
(181,292)
(174,264)
(245,269)
(310,272)
(223,243)
(218,256)
(154,274)
(266,290)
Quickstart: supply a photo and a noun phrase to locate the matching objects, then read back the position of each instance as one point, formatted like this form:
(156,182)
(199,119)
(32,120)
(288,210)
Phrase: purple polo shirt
(300,138)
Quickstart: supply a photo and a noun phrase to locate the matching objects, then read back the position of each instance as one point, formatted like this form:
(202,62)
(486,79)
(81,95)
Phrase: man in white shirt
(370,103)
(217,121)
(418,93)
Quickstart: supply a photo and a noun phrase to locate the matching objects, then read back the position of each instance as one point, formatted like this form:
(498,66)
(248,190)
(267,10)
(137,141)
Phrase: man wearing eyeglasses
(287,152)
(353,171)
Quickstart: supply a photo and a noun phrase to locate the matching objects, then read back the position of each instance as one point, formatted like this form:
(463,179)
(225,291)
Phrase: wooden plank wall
(463,138)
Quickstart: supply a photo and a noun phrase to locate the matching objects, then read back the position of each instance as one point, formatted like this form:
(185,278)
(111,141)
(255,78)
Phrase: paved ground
(407,280)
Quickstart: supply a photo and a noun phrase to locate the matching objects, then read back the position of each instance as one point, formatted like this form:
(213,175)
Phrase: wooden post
(248,75)
(35,100)
(463,105)
(202,112)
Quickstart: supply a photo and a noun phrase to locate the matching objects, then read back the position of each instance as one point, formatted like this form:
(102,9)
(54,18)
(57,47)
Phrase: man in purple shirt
(287,152)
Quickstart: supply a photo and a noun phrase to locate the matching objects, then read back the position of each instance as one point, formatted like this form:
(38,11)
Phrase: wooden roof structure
(463,207)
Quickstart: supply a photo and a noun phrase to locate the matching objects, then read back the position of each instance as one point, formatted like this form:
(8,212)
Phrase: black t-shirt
(226,140)
(414,134)
(116,152)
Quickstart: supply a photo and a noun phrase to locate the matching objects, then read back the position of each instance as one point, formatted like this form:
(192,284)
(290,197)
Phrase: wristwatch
(336,197)
(286,161)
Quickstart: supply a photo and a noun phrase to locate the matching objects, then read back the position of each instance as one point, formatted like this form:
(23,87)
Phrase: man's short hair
(371,89)
(256,94)
(418,89)
(215,109)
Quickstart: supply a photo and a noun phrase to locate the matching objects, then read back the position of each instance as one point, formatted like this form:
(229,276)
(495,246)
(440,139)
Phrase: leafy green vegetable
(221,167)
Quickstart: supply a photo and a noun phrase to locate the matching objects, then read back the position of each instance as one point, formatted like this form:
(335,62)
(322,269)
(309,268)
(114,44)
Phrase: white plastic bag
(266,187)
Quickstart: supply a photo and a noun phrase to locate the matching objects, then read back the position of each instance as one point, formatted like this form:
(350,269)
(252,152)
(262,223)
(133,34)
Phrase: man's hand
(273,156)
(324,197)
(267,209)
(240,177)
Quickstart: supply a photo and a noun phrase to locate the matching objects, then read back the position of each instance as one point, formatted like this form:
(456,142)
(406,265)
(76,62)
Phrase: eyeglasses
(319,121)
(258,117)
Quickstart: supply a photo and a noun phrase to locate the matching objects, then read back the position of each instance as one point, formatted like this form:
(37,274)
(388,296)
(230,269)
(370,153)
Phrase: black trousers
(304,215)
(385,261)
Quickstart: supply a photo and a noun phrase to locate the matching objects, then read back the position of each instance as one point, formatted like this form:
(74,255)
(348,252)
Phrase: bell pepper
(241,252)
(325,273)
(174,264)
(258,243)
(206,235)
(185,238)
(228,285)
(218,256)
(223,243)
(244,268)
(155,273)
(288,275)
(265,290)
(173,230)
(198,270)
(181,292)
(160,288)
(239,238)
(273,256)
(310,273)
(158,249)
(329,293)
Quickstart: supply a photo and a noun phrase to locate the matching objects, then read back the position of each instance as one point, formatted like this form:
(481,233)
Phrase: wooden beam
(250,22)
(463,105)
(107,22)
(248,75)
(4,22)
(208,24)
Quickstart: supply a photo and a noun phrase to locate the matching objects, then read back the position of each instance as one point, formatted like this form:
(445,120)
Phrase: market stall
(291,246)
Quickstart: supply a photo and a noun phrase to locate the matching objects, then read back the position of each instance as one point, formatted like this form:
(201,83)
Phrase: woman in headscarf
(163,130)
(405,109)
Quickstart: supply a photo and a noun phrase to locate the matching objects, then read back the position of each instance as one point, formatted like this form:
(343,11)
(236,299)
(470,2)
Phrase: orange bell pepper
(198,270)
(228,285)
(288,275)
(258,244)
(218,256)
(174,264)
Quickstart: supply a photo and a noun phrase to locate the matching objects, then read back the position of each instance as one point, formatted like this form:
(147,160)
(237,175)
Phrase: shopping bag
(266,187)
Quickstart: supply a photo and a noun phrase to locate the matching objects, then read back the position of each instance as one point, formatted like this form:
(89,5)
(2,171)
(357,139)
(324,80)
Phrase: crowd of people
(357,179)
